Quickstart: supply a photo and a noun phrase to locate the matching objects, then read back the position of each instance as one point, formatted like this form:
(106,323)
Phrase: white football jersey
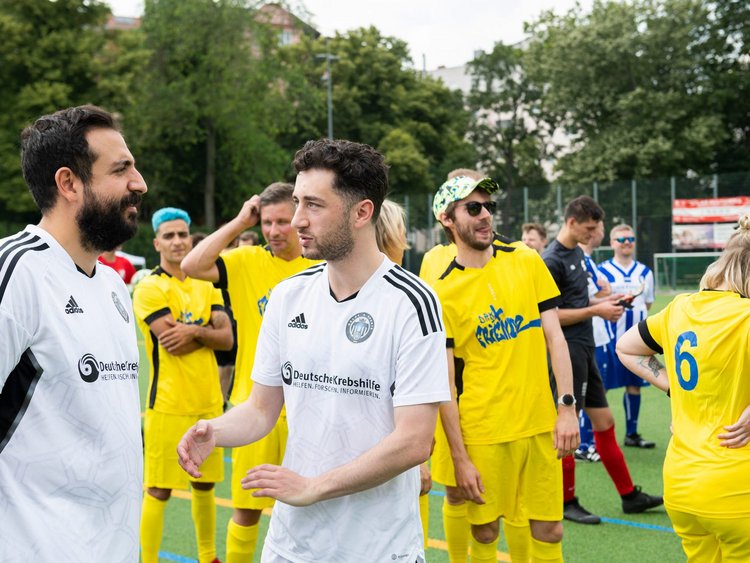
(344,367)
(70,442)
(637,278)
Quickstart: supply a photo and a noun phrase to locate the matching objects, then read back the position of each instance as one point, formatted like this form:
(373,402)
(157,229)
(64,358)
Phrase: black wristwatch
(566,400)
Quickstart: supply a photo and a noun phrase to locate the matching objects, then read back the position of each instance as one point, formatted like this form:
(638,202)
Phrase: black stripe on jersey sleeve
(311,271)
(223,282)
(450,343)
(427,296)
(414,301)
(647,338)
(14,261)
(549,304)
(16,395)
(155,364)
(157,315)
(218,308)
(21,237)
(418,298)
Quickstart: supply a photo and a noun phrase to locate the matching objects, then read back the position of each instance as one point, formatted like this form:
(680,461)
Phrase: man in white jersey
(353,348)
(70,443)
(635,280)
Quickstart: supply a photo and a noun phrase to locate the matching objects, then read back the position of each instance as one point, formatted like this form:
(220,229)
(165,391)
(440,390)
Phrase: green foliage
(46,63)
(642,88)
(379,99)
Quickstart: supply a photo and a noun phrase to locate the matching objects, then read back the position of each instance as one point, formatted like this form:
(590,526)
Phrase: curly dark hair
(360,172)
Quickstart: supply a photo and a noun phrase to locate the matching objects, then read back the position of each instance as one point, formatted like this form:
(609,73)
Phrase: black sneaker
(637,441)
(574,512)
(640,502)
(588,455)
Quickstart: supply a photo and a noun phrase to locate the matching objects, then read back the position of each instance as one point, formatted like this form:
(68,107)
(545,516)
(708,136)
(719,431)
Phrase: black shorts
(587,383)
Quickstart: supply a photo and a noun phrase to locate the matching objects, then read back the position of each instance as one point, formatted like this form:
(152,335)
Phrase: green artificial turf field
(620,538)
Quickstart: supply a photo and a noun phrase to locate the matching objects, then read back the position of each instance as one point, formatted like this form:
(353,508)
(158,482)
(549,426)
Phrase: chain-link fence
(644,204)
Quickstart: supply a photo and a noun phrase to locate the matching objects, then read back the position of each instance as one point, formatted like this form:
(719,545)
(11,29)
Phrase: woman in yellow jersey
(705,339)
(390,232)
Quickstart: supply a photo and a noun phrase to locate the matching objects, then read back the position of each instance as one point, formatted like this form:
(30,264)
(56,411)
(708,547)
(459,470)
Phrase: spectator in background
(119,264)
(635,281)
(248,238)
(534,235)
(566,263)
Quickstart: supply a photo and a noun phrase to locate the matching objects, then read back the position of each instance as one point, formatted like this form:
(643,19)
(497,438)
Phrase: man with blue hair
(183,322)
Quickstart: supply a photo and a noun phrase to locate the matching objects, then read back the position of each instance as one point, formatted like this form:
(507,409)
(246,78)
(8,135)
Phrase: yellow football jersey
(436,260)
(187,384)
(492,318)
(249,273)
(706,341)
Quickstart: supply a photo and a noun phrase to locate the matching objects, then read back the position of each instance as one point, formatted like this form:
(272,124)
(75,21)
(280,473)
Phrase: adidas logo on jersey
(298,322)
(72,307)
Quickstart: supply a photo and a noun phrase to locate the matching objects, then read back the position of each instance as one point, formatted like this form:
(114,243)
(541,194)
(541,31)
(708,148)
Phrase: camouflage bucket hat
(458,188)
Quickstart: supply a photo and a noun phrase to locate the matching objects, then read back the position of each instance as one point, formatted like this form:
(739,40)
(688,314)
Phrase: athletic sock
(545,551)
(424,515)
(613,460)
(456,528)
(241,542)
(632,404)
(587,433)
(203,508)
(569,478)
(518,538)
(152,527)
(483,552)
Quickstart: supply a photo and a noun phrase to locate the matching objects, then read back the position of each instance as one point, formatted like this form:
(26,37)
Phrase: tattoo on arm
(650,363)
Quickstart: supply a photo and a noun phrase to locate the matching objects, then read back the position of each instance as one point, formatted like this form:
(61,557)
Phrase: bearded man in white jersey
(352,347)
(70,445)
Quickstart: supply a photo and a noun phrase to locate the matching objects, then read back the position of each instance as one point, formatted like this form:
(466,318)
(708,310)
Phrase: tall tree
(508,136)
(205,115)
(379,99)
(47,62)
(632,84)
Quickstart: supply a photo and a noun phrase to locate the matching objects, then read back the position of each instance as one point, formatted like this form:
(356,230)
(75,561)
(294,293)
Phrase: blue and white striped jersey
(630,280)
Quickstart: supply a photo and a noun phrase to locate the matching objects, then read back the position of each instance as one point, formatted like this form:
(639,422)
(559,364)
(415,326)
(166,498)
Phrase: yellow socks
(544,551)
(152,527)
(456,528)
(424,515)
(518,538)
(241,542)
(483,552)
(204,519)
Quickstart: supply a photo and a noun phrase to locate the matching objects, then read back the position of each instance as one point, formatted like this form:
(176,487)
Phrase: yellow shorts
(162,433)
(268,450)
(522,480)
(712,539)
(441,462)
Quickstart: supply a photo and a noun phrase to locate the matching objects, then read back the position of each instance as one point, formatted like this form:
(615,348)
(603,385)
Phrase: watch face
(567,400)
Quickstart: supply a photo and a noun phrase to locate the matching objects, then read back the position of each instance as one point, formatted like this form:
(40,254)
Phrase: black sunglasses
(625,239)
(474,208)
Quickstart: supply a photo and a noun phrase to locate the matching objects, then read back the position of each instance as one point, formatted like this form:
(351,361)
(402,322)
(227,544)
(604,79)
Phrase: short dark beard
(103,224)
(467,237)
(337,244)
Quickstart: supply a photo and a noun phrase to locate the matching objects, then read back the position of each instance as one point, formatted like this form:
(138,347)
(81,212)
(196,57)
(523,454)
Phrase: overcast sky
(447,32)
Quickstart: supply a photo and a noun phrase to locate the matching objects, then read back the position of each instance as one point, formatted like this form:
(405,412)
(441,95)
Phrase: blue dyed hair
(168,214)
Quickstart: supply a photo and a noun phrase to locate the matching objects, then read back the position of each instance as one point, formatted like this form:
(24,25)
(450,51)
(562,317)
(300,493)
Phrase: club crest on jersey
(88,368)
(359,327)
(120,308)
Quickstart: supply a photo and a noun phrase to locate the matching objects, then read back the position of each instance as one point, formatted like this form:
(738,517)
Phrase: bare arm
(176,338)
(468,479)
(407,446)
(200,263)
(216,335)
(567,436)
(605,308)
(635,355)
(246,423)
